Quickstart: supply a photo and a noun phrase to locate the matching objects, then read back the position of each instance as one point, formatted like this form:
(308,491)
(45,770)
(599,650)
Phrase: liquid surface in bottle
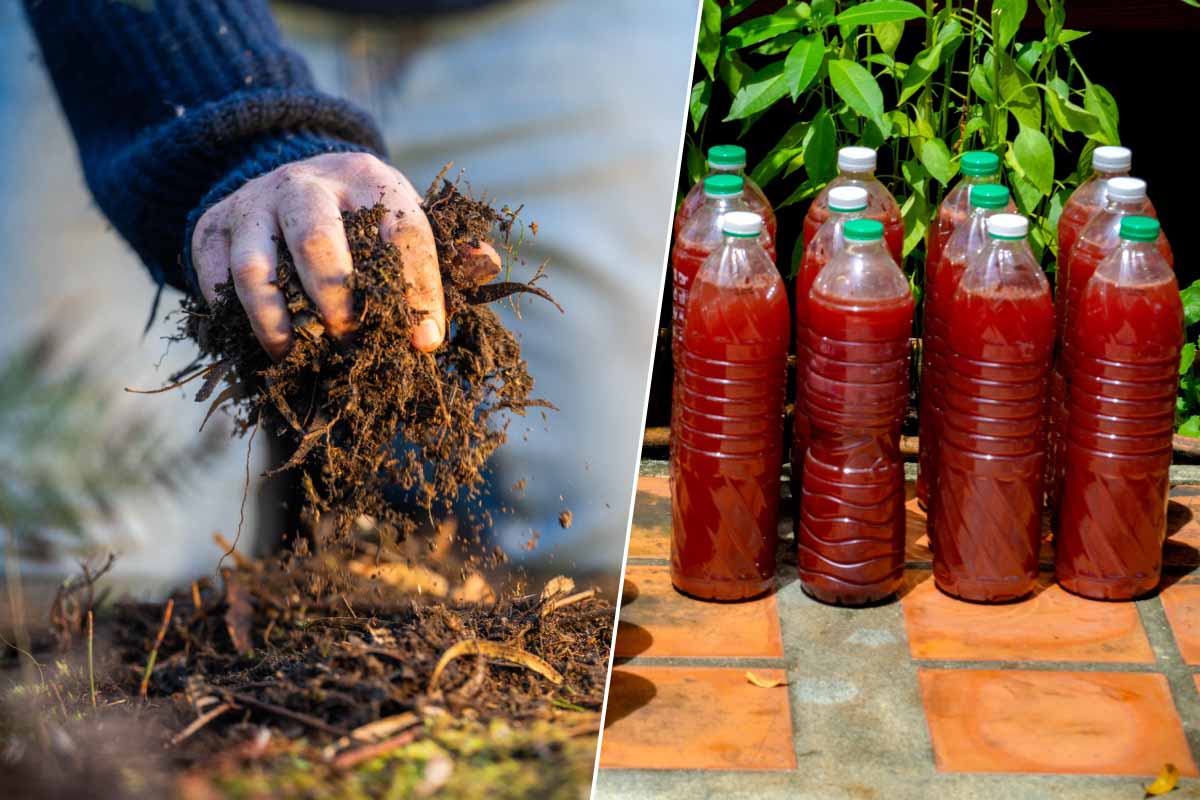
(851,527)
(880,205)
(1121,411)
(727,431)
(756,201)
(991,459)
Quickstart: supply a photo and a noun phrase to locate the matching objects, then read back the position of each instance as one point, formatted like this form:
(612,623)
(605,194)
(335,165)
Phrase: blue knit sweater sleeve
(176,103)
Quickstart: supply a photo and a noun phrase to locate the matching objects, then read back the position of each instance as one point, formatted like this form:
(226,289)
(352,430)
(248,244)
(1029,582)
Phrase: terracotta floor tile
(1182,548)
(1053,625)
(696,718)
(650,536)
(656,620)
(1092,723)
(1181,601)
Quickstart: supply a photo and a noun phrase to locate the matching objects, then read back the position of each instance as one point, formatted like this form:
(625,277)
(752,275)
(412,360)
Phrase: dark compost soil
(317,672)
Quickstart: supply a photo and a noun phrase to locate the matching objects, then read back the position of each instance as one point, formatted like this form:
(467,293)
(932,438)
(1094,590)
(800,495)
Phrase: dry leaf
(499,652)
(763,683)
(403,576)
(1166,781)
(239,616)
(557,587)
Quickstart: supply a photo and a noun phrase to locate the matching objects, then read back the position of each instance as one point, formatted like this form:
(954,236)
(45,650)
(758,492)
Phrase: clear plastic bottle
(1100,237)
(991,464)
(727,443)
(977,167)
(856,167)
(1125,340)
(728,159)
(987,200)
(845,203)
(851,537)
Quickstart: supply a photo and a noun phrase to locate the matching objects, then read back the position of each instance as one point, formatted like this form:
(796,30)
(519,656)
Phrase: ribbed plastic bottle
(977,167)
(728,159)
(991,463)
(965,241)
(1125,342)
(856,167)
(845,203)
(727,434)
(851,537)
(1099,239)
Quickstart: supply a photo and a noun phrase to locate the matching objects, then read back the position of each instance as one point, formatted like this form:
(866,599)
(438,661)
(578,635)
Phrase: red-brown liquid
(851,537)
(727,440)
(686,260)
(1124,356)
(991,459)
(893,226)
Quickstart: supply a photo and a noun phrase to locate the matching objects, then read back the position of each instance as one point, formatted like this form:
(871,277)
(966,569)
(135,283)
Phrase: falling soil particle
(564,519)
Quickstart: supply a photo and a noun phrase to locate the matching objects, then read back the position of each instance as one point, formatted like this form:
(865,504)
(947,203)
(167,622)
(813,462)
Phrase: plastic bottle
(987,200)
(845,203)
(991,463)
(977,167)
(851,537)
(856,167)
(728,159)
(1125,342)
(1100,237)
(727,444)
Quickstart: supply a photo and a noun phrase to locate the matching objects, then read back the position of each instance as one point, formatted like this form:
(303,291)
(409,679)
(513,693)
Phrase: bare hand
(303,202)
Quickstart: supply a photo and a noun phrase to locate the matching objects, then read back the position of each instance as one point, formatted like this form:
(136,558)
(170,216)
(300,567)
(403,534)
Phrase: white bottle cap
(1111,158)
(744,224)
(1125,189)
(1007,226)
(847,198)
(856,159)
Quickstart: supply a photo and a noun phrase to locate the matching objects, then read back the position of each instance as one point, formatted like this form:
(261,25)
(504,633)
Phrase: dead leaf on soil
(1166,781)
(239,616)
(764,683)
(498,652)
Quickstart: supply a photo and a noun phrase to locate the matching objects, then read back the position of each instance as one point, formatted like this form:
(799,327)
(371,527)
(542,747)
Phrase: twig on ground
(200,722)
(91,657)
(162,632)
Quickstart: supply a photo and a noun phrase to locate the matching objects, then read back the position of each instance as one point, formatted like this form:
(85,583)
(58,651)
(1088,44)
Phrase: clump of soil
(343,407)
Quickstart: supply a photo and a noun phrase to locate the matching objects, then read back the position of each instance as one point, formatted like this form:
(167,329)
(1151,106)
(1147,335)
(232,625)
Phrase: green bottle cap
(727,155)
(979,163)
(1139,229)
(723,185)
(989,195)
(863,230)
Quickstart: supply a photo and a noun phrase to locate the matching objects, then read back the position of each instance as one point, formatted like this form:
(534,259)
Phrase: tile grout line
(1170,661)
(714,662)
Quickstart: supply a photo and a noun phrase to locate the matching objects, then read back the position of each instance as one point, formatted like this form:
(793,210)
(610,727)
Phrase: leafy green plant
(1187,403)
(972,81)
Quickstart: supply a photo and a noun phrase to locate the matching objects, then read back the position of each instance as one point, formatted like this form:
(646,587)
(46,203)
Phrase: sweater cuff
(264,157)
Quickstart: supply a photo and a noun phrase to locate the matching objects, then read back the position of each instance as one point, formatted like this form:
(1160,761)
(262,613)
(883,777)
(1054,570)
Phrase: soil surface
(364,661)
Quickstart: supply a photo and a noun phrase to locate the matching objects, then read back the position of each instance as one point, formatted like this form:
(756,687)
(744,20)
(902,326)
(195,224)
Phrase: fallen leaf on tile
(1166,781)
(763,683)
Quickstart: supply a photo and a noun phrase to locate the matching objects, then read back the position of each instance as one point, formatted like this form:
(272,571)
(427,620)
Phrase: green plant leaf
(780,44)
(708,44)
(1191,303)
(735,7)
(935,156)
(1019,94)
(697,164)
(1187,357)
(820,148)
(760,91)
(1035,158)
(1191,427)
(858,88)
(1070,116)
(1006,20)
(802,64)
(1029,54)
(803,192)
(786,149)
(1066,36)
(1099,102)
(733,71)
(981,83)
(822,13)
(760,29)
(874,12)
(888,34)
(698,107)
(930,59)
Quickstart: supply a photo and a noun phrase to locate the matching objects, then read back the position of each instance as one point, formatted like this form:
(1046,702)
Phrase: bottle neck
(726,169)
(1127,206)
(1103,175)
(857,174)
(980,180)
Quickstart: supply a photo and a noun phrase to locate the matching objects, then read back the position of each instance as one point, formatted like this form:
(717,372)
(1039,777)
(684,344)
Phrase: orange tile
(1181,601)
(696,718)
(1182,548)
(656,620)
(1091,723)
(650,536)
(1052,625)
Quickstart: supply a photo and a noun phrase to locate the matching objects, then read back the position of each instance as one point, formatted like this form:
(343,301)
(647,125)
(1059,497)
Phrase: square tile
(696,718)
(1089,723)
(650,536)
(1182,548)
(656,620)
(1052,625)
(1181,601)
